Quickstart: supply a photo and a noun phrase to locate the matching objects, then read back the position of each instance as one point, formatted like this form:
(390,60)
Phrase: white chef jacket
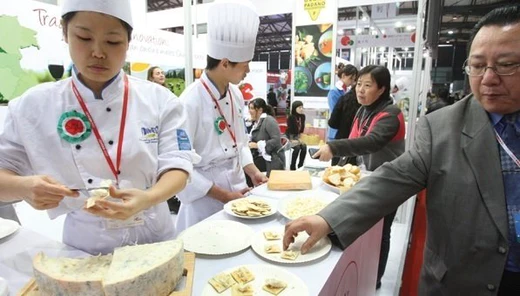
(30,144)
(221,163)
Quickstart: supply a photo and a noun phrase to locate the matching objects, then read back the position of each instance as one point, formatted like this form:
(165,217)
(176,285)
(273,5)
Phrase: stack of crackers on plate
(343,177)
(250,207)
(239,282)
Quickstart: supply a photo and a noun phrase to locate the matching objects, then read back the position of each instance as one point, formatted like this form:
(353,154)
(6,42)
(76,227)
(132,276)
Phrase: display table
(352,271)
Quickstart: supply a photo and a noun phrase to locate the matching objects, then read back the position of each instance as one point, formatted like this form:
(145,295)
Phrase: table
(338,273)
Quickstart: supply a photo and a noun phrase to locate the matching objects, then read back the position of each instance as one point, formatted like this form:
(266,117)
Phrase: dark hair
(294,106)
(381,76)
(347,70)
(501,16)
(67,17)
(149,76)
(212,63)
(260,103)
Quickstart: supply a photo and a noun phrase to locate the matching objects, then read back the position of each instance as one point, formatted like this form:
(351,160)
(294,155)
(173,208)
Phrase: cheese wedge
(151,269)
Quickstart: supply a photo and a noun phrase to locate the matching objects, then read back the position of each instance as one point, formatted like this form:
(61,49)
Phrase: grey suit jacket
(456,158)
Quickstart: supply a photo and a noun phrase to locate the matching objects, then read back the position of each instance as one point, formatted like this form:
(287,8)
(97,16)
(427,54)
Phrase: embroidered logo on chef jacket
(74,127)
(150,135)
(183,140)
(220,125)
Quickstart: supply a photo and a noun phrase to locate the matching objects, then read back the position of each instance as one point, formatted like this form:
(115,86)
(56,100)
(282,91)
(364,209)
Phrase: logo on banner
(314,7)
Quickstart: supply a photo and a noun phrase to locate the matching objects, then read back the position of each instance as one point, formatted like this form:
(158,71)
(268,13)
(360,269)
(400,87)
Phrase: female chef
(97,125)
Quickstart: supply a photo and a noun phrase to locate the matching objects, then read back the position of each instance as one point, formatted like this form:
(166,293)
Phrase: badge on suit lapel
(74,127)
(220,125)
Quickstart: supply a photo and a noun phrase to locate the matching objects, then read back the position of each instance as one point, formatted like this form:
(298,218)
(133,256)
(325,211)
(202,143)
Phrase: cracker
(242,275)
(272,249)
(290,255)
(274,286)
(271,235)
(242,290)
(221,282)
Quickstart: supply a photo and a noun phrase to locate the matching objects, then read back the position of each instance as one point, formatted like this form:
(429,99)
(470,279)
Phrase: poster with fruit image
(313,52)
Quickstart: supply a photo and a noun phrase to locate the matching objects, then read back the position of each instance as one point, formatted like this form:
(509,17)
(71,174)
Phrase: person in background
(271,98)
(288,103)
(295,127)
(401,96)
(466,157)
(346,75)
(377,136)
(443,99)
(156,74)
(216,121)
(265,138)
(92,129)
(342,115)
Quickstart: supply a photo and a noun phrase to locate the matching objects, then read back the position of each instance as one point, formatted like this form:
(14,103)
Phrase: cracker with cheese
(221,282)
(242,290)
(271,235)
(243,275)
(98,194)
(290,255)
(274,286)
(272,249)
(250,207)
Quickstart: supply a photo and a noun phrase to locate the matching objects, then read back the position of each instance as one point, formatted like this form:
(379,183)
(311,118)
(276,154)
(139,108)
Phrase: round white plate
(8,227)
(228,206)
(336,189)
(320,249)
(4,291)
(217,237)
(295,286)
(320,195)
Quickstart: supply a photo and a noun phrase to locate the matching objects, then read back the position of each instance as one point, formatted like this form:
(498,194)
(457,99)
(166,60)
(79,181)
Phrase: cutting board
(289,180)
(31,288)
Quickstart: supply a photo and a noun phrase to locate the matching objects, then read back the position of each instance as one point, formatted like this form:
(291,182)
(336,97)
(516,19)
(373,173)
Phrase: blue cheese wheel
(151,269)
(70,276)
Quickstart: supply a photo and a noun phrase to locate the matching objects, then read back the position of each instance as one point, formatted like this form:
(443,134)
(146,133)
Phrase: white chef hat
(116,8)
(232,29)
(402,83)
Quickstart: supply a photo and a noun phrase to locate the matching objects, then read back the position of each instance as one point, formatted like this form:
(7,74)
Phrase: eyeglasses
(505,69)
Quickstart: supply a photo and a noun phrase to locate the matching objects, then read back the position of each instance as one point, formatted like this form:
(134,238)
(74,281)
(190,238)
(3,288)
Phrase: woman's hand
(43,192)
(132,202)
(324,153)
(253,145)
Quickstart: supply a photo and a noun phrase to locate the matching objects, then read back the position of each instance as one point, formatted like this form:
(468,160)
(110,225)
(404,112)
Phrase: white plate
(4,291)
(320,195)
(217,237)
(228,206)
(8,227)
(295,286)
(320,249)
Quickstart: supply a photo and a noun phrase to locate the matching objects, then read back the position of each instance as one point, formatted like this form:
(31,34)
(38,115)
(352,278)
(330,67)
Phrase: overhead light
(426,55)
(340,32)
(450,32)
(448,41)
(455,17)
(382,49)
(364,50)
(287,38)
(409,55)
(364,18)
(410,28)
(371,28)
(359,30)
(383,31)
(398,24)
(374,32)
(406,49)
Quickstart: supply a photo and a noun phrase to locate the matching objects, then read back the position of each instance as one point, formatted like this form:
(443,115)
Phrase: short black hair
(381,76)
(68,16)
(212,63)
(348,70)
(501,16)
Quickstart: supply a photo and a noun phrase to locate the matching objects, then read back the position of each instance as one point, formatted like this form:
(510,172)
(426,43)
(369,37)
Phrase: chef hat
(232,29)
(402,83)
(116,8)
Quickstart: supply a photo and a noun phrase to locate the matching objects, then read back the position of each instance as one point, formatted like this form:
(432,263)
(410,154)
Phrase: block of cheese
(70,276)
(150,269)
(289,180)
(153,269)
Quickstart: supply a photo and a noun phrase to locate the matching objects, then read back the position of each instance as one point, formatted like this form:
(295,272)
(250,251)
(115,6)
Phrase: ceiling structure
(455,20)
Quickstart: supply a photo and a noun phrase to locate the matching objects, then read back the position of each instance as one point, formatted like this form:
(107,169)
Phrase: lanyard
(114,169)
(507,150)
(228,126)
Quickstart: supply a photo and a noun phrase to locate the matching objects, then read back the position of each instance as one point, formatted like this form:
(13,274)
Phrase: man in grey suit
(466,157)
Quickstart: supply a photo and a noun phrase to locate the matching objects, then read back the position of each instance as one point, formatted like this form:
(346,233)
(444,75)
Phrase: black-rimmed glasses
(502,69)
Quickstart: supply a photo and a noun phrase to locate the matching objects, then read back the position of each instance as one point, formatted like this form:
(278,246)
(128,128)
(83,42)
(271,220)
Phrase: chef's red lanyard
(115,169)
(506,149)
(228,126)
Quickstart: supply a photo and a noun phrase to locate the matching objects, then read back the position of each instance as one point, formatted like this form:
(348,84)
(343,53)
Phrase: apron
(224,175)
(90,234)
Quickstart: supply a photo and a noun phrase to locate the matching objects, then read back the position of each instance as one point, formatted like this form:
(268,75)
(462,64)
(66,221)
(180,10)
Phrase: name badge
(136,220)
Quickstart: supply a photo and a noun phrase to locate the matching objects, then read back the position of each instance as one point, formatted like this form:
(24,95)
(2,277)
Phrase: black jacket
(343,114)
